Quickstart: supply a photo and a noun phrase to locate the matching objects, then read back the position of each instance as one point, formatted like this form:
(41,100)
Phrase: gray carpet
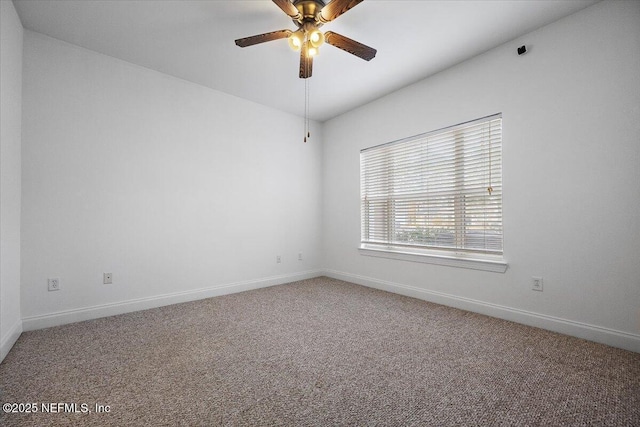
(318,352)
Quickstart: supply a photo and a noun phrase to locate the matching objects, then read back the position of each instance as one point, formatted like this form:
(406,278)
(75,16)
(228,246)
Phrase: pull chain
(307,133)
(306,108)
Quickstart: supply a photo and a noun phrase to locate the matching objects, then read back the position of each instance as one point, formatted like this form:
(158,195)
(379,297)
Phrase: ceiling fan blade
(288,8)
(261,38)
(336,8)
(306,62)
(353,47)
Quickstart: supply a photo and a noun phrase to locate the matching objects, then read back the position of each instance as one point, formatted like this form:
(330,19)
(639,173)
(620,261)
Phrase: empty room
(320,213)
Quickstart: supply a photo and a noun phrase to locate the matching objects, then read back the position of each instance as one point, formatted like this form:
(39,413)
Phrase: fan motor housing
(309,9)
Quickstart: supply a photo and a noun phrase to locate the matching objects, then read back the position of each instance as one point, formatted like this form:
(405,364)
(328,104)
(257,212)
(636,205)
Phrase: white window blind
(440,190)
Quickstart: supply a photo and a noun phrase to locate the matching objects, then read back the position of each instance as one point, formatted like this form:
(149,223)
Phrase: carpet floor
(318,352)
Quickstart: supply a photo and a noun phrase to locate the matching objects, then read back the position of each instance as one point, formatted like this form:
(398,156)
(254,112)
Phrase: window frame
(486,259)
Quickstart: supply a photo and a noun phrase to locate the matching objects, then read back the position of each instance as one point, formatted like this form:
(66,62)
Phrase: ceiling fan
(309,16)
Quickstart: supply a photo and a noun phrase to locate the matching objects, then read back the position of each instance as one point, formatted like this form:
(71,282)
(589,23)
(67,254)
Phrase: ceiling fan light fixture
(295,40)
(309,16)
(316,38)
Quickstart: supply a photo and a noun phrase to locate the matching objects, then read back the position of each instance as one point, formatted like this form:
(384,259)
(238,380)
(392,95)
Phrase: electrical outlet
(536,284)
(278,259)
(54,284)
(107,278)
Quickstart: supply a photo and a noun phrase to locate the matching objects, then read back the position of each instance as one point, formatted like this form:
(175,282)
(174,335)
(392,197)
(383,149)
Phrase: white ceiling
(194,40)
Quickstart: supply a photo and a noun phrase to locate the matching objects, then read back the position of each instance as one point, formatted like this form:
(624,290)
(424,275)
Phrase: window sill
(493,265)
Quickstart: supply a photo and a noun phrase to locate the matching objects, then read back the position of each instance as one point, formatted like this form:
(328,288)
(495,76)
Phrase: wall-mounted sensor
(522,50)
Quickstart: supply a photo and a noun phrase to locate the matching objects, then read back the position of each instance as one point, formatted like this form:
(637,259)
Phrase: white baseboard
(586,331)
(104,310)
(9,339)
(614,338)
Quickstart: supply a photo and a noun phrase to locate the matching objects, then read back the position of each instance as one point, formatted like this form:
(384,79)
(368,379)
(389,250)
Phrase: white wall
(11,34)
(180,191)
(571,146)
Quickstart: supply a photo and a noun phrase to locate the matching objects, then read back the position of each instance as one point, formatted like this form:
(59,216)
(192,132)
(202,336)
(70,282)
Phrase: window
(438,193)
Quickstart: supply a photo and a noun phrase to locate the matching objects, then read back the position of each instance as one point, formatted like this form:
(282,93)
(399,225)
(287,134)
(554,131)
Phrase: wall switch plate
(278,259)
(536,284)
(107,278)
(300,256)
(54,284)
